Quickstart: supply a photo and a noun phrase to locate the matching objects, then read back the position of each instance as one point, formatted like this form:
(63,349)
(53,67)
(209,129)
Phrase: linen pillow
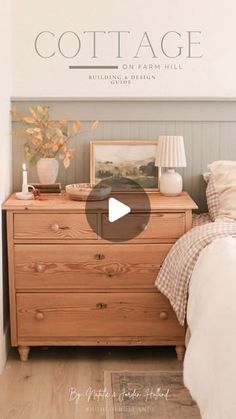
(212,196)
(206,177)
(223,177)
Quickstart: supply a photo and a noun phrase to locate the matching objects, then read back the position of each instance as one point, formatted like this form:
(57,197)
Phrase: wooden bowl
(87,191)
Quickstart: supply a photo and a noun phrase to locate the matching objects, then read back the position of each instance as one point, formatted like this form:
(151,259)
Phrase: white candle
(25,180)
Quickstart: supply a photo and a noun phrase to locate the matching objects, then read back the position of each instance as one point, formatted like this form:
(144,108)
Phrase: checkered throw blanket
(174,276)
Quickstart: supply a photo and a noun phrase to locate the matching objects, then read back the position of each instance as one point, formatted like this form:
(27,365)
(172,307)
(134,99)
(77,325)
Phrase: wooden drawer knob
(163,315)
(101,306)
(40,268)
(143,227)
(39,315)
(99,256)
(55,227)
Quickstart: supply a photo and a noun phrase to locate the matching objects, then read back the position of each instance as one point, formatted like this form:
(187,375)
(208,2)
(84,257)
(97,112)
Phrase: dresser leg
(24,352)
(180,351)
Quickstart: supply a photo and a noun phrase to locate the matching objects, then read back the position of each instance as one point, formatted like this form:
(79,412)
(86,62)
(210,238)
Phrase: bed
(198,276)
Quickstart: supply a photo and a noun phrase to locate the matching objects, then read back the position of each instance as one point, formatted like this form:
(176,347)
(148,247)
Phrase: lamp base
(171,183)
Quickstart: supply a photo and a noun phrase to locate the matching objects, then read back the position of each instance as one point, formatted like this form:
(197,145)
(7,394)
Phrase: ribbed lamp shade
(170,151)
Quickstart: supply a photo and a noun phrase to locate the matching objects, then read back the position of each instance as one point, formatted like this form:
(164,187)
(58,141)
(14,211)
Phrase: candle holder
(25,194)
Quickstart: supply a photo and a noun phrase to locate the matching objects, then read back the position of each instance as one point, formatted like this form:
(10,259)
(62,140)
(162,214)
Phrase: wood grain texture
(102,341)
(11,277)
(41,388)
(161,225)
(81,267)
(24,352)
(54,226)
(180,351)
(70,290)
(61,203)
(96,315)
(188,220)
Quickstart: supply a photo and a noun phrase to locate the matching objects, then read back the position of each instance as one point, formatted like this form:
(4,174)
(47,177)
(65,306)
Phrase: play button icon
(117,210)
(123,214)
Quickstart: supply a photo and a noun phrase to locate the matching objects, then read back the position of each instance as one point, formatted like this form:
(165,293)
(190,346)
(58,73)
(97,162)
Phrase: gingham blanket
(174,276)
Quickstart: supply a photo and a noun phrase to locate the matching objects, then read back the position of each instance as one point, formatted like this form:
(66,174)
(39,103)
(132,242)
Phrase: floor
(54,383)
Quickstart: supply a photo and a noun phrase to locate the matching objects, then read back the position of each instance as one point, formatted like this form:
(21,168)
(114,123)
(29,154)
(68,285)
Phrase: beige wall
(5,167)
(208,127)
(211,76)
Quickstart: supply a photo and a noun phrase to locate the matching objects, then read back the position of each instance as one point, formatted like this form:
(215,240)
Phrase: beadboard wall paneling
(209,130)
(136,110)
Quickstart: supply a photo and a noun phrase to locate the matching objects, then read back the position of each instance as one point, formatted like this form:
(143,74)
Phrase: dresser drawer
(88,266)
(96,314)
(54,226)
(160,226)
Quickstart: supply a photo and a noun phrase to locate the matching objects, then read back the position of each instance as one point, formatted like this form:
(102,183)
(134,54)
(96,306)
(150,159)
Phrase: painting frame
(122,143)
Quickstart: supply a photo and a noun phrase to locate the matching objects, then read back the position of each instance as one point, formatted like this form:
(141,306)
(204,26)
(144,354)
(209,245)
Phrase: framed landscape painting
(125,165)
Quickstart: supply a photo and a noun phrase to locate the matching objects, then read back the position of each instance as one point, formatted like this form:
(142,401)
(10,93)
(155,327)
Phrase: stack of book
(53,188)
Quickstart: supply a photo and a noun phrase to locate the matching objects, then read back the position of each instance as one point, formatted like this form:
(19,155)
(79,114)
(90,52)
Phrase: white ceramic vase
(171,183)
(47,169)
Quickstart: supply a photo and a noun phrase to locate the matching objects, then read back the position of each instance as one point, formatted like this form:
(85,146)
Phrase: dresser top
(62,202)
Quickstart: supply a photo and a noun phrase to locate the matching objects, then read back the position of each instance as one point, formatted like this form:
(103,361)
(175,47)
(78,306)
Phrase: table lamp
(170,154)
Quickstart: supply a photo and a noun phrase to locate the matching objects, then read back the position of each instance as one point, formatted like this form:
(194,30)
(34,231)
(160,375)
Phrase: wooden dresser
(69,286)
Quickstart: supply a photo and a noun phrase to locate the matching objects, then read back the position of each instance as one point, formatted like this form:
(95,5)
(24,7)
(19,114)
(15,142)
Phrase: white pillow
(206,176)
(213,200)
(224,175)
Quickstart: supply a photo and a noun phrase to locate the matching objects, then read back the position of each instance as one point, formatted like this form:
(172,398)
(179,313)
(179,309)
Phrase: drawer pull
(101,306)
(99,256)
(143,227)
(56,227)
(163,315)
(39,315)
(40,268)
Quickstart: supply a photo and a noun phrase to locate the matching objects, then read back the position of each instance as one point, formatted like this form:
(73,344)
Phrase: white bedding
(210,360)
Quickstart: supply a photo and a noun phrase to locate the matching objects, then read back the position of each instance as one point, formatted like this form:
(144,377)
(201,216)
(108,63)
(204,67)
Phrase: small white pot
(47,169)
(171,183)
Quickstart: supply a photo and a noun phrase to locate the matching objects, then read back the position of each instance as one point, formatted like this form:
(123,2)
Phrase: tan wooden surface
(54,226)
(160,225)
(172,340)
(96,314)
(158,202)
(70,287)
(40,388)
(106,267)
(11,277)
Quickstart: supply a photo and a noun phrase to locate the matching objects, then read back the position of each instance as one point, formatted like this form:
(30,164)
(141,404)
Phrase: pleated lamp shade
(170,151)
